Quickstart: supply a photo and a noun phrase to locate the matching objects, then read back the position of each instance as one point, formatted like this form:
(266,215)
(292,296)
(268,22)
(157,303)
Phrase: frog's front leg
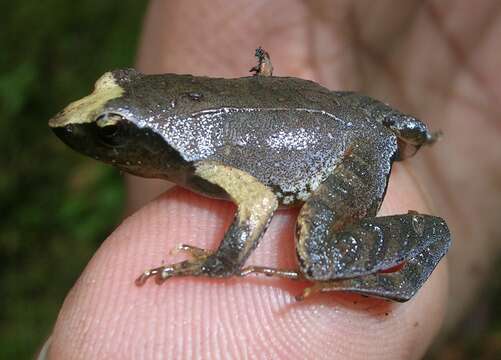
(343,246)
(256,205)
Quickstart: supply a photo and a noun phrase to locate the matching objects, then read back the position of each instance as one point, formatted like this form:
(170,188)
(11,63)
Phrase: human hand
(387,51)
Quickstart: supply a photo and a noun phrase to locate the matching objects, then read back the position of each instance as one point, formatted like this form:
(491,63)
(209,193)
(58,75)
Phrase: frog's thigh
(256,205)
(417,245)
(354,190)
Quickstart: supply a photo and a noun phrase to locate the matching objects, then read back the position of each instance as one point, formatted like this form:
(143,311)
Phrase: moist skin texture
(266,141)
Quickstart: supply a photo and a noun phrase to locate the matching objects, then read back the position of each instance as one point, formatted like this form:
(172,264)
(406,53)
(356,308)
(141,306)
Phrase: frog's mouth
(87,139)
(115,140)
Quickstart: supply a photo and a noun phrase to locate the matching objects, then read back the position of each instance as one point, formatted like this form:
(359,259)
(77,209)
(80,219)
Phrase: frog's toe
(141,280)
(272,272)
(193,251)
(313,289)
(194,267)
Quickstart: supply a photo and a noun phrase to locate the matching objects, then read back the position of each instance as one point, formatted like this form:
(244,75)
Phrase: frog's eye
(111,129)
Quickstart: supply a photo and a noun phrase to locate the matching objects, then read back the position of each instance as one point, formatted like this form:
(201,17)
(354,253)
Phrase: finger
(107,316)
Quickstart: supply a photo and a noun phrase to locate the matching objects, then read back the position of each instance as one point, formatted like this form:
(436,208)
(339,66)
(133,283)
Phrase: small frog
(263,142)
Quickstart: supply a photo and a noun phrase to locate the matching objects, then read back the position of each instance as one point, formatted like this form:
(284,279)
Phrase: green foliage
(56,206)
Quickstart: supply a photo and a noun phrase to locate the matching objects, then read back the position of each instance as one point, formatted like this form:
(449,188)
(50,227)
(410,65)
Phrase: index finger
(107,316)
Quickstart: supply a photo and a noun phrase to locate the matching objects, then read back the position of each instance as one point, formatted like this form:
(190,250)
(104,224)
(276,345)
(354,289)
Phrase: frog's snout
(68,130)
(87,109)
(59,120)
(72,135)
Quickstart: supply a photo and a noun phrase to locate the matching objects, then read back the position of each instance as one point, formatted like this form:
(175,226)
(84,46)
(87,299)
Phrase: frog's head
(102,125)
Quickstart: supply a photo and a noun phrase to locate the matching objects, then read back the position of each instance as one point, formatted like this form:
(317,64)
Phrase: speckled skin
(293,142)
(289,133)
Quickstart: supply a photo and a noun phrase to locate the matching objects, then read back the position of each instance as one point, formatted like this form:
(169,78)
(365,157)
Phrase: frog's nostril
(68,129)
(60,131)
(66,132)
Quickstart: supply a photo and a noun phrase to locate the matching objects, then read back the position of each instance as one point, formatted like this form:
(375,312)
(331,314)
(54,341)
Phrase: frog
(267,142)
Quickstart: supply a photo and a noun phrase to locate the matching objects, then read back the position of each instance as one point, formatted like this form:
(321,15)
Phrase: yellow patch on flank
(88,108)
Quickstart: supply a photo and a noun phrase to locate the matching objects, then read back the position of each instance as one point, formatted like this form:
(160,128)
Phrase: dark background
(55,205)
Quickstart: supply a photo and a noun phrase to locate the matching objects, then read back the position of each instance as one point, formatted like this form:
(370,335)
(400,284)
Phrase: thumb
(107,316)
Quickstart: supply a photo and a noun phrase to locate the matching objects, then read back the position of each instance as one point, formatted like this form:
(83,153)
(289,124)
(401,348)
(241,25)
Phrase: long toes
(141,280)
(194,251)
(166,273)
(271,272)
(162,273)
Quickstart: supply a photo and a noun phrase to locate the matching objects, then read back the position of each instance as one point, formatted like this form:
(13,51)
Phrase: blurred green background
(56,206)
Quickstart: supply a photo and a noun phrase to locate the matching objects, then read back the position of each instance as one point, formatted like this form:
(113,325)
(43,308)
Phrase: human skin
(435,60)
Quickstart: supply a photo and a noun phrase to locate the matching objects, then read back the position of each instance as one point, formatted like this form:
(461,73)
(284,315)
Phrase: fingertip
(107,315)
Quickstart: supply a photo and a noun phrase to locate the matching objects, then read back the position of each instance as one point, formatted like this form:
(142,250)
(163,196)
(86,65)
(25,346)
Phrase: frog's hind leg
(340,242)
(407,249)
(413,256)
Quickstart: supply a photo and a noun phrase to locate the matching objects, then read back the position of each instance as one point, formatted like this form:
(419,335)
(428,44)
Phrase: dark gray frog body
(288,133)
(263,142)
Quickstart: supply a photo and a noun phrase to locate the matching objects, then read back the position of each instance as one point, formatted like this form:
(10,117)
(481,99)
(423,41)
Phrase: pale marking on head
(88,108)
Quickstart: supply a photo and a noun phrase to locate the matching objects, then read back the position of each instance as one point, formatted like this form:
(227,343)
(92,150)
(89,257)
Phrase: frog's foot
(282,273)
(317,287)
(193,267)
(397,272)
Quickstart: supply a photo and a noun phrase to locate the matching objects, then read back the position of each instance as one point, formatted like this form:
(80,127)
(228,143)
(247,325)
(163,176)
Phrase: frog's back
(182,95)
